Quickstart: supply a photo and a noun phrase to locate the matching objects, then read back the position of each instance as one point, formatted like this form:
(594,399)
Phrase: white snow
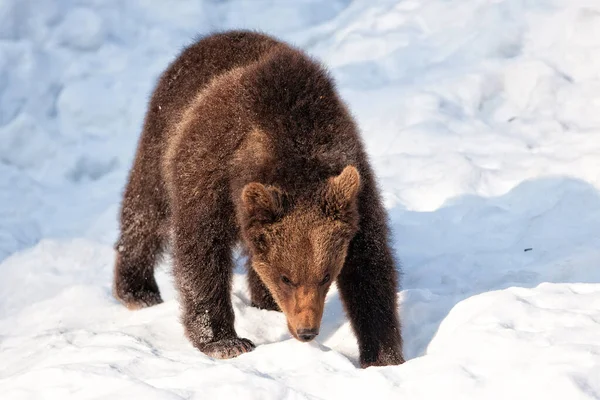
(482,118)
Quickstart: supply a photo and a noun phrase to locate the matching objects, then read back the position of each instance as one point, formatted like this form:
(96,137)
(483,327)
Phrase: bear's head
(298,248)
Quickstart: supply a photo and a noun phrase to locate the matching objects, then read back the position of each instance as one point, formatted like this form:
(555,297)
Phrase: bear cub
(246,141)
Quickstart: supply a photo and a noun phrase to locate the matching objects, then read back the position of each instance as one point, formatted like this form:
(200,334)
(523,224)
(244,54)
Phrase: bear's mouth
(303,334)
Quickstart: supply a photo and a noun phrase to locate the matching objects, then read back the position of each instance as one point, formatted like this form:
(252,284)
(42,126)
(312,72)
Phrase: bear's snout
(306,335)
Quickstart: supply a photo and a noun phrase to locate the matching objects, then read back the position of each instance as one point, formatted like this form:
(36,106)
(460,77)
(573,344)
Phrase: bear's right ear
(341,195)
(263,204)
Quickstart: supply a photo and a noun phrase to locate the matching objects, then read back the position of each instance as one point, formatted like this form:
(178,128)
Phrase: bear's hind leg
(134,283)
(140,246)
(259,294)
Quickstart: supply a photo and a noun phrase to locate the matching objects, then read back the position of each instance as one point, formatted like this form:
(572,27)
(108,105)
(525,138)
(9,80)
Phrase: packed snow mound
(481,121)
(73,339)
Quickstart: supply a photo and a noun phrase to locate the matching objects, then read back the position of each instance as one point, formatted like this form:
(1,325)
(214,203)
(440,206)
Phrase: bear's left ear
(341,195)
(262,204)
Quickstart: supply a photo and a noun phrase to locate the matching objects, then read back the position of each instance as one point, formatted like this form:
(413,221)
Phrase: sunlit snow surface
(482,118)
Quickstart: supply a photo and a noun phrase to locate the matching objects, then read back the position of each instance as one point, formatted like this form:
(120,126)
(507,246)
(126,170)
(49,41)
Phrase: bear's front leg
(367,285)
(203,237)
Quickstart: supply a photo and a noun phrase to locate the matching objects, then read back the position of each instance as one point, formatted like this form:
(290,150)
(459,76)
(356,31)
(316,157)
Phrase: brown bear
(247,141)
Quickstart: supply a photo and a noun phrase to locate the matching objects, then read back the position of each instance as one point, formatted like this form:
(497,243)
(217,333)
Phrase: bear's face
(299,251)
(298,260)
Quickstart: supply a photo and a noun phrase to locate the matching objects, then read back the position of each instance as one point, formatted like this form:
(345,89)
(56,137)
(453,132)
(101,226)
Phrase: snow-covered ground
(482,118)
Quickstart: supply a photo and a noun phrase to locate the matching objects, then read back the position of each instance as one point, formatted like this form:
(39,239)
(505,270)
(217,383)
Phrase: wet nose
(306,335)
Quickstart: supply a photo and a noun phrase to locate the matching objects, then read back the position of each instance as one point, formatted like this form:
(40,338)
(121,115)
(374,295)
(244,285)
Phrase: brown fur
(246,140)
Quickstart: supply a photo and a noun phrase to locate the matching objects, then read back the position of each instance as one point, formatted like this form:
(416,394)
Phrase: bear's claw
(135,300)
(391,358)
(227,348)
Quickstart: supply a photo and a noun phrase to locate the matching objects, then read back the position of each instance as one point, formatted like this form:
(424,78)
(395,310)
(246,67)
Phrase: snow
(481,119)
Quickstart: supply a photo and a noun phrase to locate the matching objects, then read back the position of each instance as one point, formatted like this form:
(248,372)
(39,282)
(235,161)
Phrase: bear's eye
(325,280)
(286,280)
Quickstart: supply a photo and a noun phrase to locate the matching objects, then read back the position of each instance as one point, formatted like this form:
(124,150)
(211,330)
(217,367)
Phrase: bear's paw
(227,348)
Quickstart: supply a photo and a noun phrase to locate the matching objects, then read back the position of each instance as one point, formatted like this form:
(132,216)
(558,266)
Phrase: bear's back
(196,66)
(268,108)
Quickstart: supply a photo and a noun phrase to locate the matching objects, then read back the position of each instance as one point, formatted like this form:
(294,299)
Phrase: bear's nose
(306,335)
